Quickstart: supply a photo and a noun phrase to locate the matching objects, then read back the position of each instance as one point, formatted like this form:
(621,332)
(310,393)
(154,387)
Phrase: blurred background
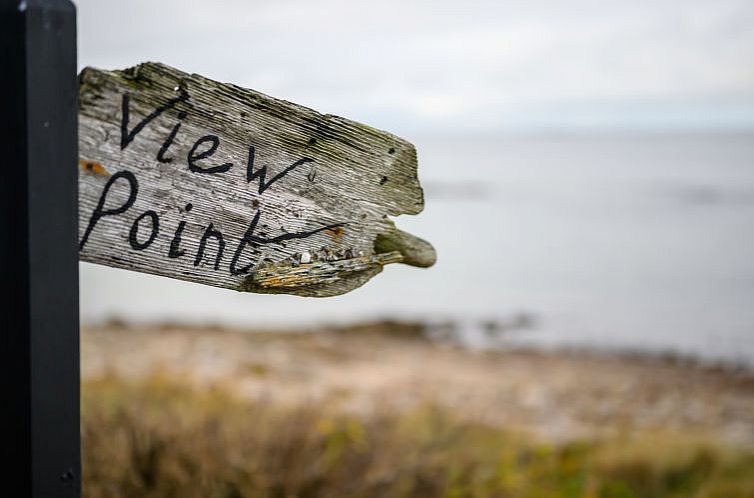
(589,177)
(589,164)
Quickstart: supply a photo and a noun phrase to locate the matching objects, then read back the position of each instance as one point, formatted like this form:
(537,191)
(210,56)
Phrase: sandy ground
(367,368)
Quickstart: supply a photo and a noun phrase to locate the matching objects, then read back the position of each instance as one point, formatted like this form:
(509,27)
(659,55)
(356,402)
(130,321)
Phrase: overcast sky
(456,66)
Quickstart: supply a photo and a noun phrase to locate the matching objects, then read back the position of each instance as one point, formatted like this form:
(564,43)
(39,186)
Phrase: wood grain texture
(309,215)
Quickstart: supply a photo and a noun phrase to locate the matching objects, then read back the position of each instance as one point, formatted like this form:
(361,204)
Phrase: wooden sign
(188,178)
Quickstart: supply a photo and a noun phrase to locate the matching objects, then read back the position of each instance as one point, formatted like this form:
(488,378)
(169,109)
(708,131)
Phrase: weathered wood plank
(188,178)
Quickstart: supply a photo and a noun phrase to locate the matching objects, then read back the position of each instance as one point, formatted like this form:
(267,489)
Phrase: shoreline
(446,334)
(392,366)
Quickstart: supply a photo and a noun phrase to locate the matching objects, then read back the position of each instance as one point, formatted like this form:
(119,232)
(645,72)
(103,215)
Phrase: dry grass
(158,437)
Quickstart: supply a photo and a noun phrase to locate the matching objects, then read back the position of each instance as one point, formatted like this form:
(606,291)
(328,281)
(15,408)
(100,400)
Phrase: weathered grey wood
(322,228)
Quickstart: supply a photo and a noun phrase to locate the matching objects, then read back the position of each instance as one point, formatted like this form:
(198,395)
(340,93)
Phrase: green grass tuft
(161,438)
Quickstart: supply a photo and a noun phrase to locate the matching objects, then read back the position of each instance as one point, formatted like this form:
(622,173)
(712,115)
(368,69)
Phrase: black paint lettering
(169,141)
(193,157)
(210,232)
(100,211)
(132,235)
(241,246)
(126,137)
(175,250)
(250,238)
(261,173)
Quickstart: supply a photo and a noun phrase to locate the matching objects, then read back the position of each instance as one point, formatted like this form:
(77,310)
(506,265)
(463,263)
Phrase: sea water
(639,243)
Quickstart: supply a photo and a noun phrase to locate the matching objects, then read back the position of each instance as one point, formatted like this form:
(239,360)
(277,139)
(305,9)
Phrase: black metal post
(39,329)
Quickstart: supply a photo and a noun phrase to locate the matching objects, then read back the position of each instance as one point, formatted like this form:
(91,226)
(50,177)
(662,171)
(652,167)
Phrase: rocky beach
(391,366)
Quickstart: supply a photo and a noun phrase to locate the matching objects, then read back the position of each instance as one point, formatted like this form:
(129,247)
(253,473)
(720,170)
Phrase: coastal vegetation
(158,436)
